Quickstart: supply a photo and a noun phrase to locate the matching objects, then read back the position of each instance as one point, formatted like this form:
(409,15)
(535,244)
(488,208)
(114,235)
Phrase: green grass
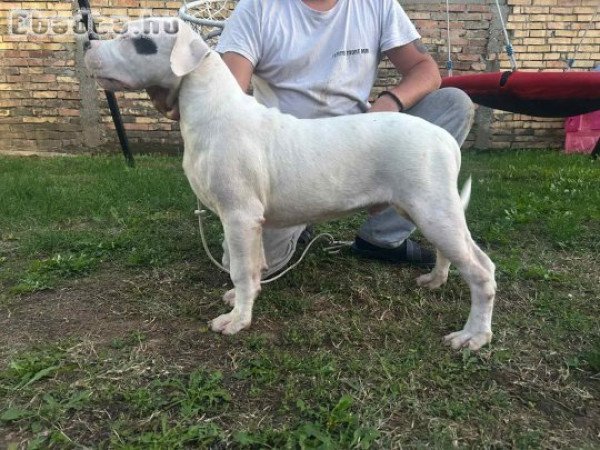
(105,296)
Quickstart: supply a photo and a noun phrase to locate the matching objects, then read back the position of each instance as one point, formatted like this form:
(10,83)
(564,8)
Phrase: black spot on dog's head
(145,45)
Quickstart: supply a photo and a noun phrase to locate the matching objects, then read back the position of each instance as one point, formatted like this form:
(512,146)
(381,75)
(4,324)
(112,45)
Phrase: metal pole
(118,121)
(86,18)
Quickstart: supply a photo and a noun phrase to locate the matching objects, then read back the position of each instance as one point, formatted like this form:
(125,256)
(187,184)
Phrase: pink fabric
(590,121)
(581,141)
(582,132)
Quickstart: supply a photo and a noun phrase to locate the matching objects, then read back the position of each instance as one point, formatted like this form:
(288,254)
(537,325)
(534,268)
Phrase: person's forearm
(422,79)
(420,76)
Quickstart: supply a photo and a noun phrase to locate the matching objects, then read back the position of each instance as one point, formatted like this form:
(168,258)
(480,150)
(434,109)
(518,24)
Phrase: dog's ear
(189,50)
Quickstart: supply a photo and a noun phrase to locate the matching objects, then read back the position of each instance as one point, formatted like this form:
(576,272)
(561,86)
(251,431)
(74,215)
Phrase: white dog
(256,167)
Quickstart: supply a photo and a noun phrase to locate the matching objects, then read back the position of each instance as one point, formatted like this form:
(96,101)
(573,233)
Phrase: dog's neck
(213,89)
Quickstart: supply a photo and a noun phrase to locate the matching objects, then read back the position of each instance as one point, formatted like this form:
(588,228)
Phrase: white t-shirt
(315,64)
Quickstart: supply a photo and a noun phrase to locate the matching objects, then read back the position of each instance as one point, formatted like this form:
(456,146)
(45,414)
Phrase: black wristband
(394,97)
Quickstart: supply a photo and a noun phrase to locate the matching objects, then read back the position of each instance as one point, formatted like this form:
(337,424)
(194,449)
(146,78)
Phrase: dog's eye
(145,45)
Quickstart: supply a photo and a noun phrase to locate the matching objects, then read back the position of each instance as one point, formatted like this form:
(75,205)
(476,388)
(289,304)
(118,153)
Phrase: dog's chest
(196,170)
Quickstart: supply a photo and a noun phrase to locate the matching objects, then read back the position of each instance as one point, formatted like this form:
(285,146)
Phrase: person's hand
(384,103)
(159,96)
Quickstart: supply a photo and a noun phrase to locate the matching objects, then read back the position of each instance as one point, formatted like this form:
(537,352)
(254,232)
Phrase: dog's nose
(86,46)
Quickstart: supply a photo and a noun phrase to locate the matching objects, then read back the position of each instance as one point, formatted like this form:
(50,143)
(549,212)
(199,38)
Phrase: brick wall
(39,100)
(47,102)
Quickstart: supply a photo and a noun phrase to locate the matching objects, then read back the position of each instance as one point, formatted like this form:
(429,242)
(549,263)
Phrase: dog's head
(153,52)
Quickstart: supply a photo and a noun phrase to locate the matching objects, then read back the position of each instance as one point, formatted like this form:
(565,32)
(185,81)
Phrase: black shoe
(307,235)
(409,252)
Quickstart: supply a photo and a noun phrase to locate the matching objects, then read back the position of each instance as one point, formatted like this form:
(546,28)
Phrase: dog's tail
(465,194)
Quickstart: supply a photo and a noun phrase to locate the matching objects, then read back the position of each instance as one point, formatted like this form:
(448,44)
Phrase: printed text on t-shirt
(356,51)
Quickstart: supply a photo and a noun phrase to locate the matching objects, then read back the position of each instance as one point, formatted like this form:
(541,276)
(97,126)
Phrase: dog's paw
(431,280)
(465,338)
(229,323)
(229,297)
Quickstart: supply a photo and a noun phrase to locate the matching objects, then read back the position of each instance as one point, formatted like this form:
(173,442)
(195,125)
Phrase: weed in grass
(170,436)
(592,358)
(73,241)
(324,427)
(259,370)
(42,274)
(542,273)
(136,338)
(201,392)
(32,282)
(34,406)
(528,439)
(32,367)
(145,257)
(66,266)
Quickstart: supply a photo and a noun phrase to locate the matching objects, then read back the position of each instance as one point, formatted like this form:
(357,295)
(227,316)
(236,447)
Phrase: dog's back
(328,167)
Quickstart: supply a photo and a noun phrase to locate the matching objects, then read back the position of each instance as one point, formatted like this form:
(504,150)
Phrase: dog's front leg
(243,236)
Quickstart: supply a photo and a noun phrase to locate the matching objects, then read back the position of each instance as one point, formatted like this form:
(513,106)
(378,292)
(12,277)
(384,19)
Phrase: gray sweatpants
(448,108)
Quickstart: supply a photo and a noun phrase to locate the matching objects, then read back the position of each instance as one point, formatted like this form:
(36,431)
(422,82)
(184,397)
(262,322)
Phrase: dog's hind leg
(444,225)
(478,272)
(243,237)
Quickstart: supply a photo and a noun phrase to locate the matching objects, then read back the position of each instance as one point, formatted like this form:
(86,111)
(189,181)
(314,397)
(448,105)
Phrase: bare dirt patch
(99,308)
